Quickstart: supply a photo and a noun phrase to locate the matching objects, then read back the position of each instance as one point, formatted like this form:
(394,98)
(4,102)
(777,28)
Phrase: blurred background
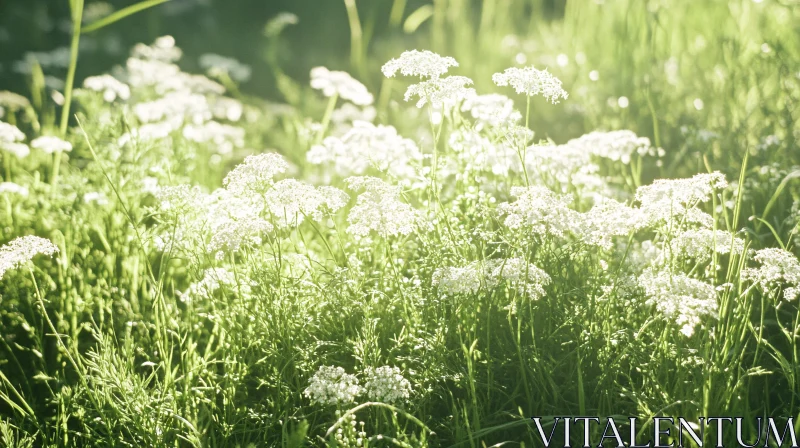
(707,81)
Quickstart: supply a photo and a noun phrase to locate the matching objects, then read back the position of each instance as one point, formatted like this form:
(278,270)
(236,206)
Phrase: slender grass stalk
(357,48)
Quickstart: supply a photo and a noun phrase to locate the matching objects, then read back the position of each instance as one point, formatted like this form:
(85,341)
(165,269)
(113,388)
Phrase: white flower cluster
(531,81)
(617,146)
(539,210)
(50,145)
(367,145)
(525,277)
(701,244)
(256,173)
(224,137)
(21,250)
(425,64)
(341,84)
(563,167)
(441,93)
(479,153)
(110,87)
(668,199)
(12,188)
(492,110)
(386,384)
(216,65)
(333,386)
(436,91)
(779,268)
(380,209)
(680,298)
(163,49)
(10,138)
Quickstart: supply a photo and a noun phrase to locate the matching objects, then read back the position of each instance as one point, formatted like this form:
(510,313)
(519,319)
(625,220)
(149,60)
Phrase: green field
(396,222)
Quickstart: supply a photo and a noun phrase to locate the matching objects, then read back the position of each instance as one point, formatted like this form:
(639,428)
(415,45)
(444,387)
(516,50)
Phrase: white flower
(679,298)
(10,135)
(22,250)
(379,209)
(539,210)
(520,274)
(493,110)
(173,106)
(12,188)
(606,220)
(668,199)
(367,145)
(109,86)
(779,267)
(531,82)
(460,279)
(386,384)
(95,197)
(340,83)
(289,201)
(618,146)
(332,386)
(13,101)
(441,92)
(419,63)
(281,20)
(700,244)
(255,174)
(50,145)
(223,136)
(163,49)
(215,65)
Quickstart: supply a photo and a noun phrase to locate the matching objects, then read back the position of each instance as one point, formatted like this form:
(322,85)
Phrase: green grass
(100,348)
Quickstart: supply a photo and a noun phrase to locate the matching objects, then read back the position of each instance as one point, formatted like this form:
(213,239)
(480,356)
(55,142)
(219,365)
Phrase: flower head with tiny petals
(51,145)
(332,386)
(425,64)
(386,384)
(22,250)
(441,92)
(531,82)
(340,83)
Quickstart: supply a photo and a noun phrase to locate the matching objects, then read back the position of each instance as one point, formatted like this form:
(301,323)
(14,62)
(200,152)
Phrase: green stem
(77,14)
(326,119)
(356,36)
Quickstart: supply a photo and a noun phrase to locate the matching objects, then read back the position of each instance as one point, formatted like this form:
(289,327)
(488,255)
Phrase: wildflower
(606,220)
(51,145)
(539,210)
(700,244)
(289,201)
(22,250)
(223,136)
(341,84)
(331,385)
(145,73)
(223,108)
(163,49)
(668,199)
(441,92)
(255,174)
(525,277)
(379,209)
(618,146)
(460,280)
(386,384)
(95,197)
(109,86)
(12,101)
(12,188)
(216,65)
(276,25)
(368,145)
(491,110)
(531,82)
(10,136)
(779,267)
(679,298)
(188,106)
(419,63)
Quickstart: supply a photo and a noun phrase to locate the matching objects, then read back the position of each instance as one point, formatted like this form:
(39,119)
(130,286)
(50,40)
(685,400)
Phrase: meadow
(398,222)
